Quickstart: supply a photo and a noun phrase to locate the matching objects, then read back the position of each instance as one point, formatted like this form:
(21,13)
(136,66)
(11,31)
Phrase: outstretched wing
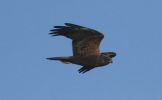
(85,41)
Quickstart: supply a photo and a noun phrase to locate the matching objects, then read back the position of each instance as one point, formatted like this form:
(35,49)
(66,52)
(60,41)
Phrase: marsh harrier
(85,43)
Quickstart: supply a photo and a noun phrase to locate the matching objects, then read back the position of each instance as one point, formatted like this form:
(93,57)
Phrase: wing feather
(86,47)
(85,41)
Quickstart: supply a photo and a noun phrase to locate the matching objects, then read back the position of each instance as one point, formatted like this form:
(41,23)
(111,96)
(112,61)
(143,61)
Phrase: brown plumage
(85,43)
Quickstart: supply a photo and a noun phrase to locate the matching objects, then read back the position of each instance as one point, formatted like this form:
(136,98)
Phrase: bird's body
(85,44)
(93,60)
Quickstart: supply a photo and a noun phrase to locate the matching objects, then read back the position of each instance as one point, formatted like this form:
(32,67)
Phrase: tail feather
(62,59)
(55,58)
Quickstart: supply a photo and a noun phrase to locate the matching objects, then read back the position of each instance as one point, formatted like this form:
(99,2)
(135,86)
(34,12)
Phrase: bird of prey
(85,45)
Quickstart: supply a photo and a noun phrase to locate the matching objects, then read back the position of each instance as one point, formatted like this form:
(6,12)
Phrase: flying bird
(85,45)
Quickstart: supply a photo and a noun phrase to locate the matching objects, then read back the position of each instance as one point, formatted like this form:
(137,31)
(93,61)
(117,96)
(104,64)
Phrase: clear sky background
(132,28)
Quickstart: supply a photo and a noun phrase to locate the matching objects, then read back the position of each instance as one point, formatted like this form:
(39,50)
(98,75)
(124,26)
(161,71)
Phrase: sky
(132,29)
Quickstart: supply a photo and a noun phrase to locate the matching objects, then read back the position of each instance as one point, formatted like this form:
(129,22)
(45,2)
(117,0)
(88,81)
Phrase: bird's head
(108,56)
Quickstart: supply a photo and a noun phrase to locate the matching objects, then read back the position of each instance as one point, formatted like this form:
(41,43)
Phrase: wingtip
(59,26)
(68,24)
(53,34)
(72,25)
